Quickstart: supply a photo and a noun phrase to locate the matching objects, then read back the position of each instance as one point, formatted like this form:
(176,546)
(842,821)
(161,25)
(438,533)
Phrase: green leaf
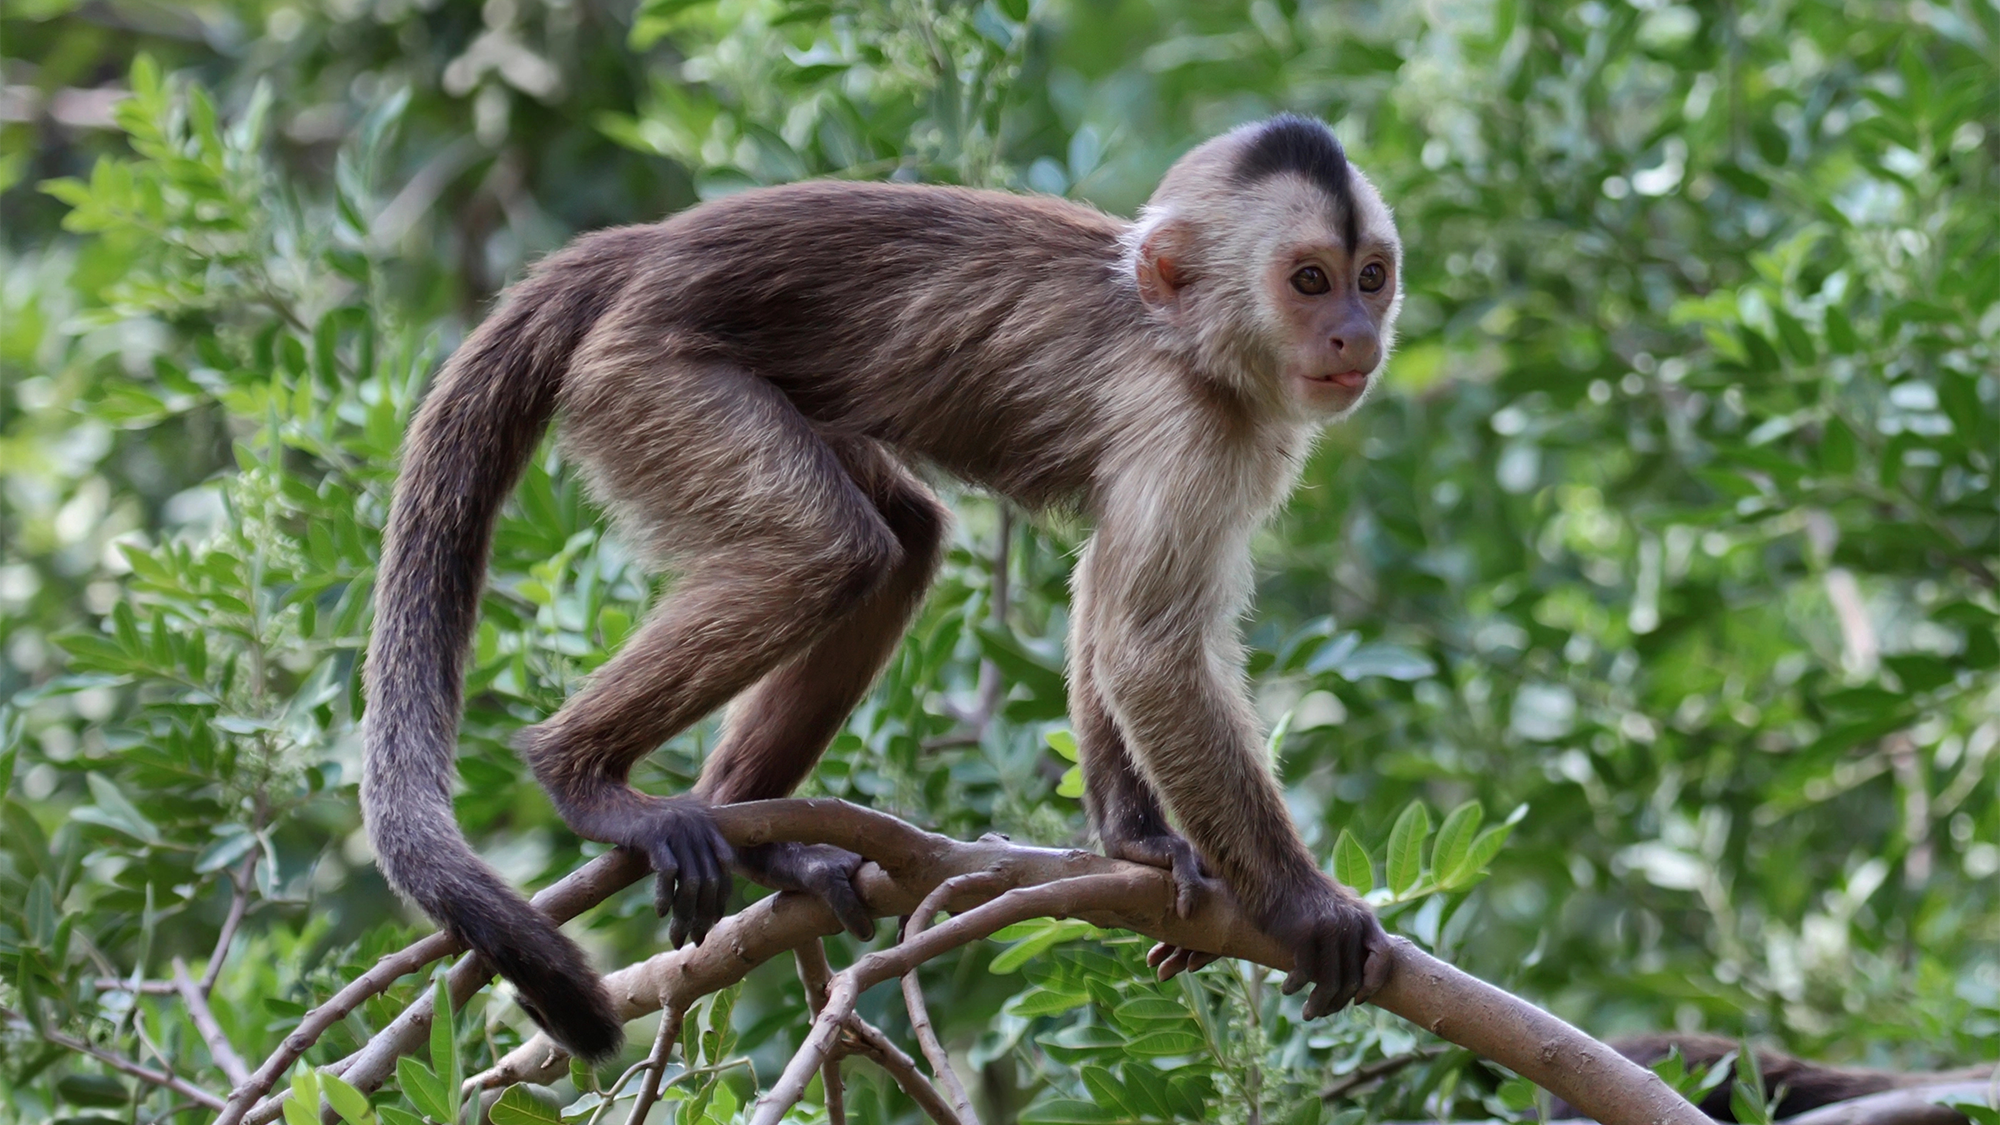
(350,1103)
(519,1107)
(1406,847)
(1454,842)
(1051,933)
(1071,783)
(114,811)
(1159,1043)
(96,1090)
(1045,1002)
(1144,1009)
(444,1047)
(1351,865)
(424,1089)
(302,1108)
(1063,743)
(1067,1111)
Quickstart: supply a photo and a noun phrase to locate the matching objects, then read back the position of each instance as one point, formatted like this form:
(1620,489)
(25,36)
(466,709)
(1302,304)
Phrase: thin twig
(656,1065)
(870,1043)
(1380,1068)
(1062,898)
(164,1079)
(913,993)
(814,971)
(239,904)
(836,1095)
(219,1048)
(579,891)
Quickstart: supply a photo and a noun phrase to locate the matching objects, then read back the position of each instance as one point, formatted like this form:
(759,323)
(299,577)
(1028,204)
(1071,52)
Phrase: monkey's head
(1276,264)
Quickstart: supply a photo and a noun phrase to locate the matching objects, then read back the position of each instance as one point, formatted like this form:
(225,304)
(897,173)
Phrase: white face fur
(1264,279)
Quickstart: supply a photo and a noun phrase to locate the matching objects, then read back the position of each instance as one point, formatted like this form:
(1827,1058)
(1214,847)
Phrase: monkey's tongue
(1352,380)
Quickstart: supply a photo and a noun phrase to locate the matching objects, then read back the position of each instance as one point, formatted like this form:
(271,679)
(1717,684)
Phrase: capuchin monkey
(747,388)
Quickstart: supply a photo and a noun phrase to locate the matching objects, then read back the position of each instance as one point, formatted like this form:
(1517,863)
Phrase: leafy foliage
(1676,534)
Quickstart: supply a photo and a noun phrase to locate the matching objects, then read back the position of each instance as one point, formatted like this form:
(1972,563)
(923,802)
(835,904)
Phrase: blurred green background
(1675,536)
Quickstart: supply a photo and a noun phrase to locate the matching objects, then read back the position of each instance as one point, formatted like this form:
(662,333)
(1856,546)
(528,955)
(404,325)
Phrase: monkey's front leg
(1122,807)
(1179,708)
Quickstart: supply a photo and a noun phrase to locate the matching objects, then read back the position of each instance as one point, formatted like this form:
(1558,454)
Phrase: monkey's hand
(691,861)
(1191,882)
(1337,946)
(821,870)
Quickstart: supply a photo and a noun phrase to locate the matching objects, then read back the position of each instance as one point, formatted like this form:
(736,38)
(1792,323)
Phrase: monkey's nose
(1360,351)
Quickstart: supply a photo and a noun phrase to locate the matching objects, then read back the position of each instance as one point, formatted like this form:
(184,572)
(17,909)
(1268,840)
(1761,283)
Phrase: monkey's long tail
(465,451)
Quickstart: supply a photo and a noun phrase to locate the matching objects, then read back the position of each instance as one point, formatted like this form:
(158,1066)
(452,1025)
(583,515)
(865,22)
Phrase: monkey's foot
(691,863)
(1173,852)
(1337,946)
(821,870)
(1191,882)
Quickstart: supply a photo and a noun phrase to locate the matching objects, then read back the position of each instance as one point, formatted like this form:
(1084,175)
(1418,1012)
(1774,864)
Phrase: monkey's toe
(1192,880)
(1170,961)
(821,870)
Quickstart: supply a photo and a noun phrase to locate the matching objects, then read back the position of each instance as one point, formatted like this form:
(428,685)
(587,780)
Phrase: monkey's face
(1330,304)
(1285,287)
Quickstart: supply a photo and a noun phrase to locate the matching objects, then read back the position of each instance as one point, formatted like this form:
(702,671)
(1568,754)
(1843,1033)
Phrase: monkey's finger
(667,871)
(1304,967)
(1375,974)
(1198,959)
(846,905)
(687,902)
(1158,955)
(1174,963)
(709,887)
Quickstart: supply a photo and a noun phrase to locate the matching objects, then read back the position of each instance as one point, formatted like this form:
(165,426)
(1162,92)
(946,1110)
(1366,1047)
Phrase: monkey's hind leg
(778,729)
(779,543)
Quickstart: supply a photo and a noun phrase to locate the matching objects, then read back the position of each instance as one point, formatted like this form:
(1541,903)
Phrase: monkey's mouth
(1345,380)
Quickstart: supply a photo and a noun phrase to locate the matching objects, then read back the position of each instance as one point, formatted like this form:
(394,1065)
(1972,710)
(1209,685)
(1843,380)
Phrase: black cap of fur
(1301,145)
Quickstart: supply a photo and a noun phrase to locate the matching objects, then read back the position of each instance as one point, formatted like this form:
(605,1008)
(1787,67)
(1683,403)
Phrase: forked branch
(908,865)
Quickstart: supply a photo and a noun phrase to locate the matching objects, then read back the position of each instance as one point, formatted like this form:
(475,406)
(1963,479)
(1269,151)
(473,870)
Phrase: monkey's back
(965,328)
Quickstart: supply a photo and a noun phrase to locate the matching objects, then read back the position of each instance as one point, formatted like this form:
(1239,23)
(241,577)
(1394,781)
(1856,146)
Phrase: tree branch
(219,1048)
(146,1074)
(909,863)
(985,884)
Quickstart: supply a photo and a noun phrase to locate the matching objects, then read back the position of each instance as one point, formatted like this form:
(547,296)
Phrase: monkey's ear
(1162,266)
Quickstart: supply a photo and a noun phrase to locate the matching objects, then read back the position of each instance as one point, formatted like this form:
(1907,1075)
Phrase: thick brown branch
(913,862)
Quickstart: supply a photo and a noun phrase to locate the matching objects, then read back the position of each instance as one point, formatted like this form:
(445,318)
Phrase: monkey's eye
(1373,276)
(1311,281)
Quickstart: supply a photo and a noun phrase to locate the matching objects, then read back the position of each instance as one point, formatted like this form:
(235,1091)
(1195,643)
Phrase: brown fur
(745,386)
